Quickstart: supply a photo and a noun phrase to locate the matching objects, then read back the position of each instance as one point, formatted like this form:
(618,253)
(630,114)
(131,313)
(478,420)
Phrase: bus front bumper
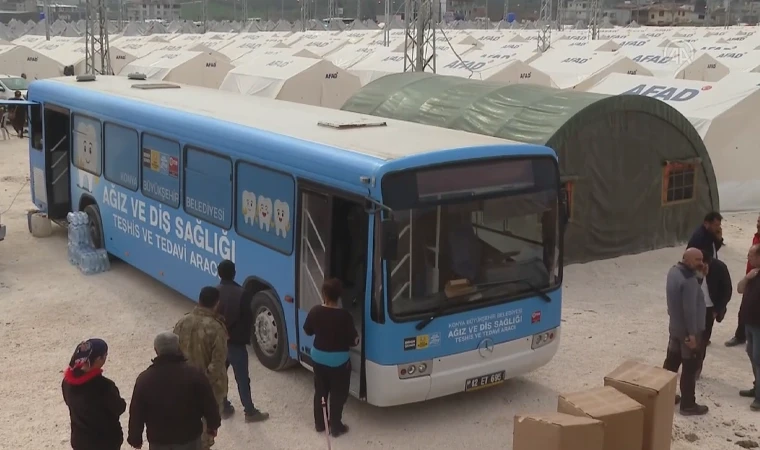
(450,373)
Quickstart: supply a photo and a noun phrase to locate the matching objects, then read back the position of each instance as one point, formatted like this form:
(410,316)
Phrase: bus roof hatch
(155,86)
(361,123)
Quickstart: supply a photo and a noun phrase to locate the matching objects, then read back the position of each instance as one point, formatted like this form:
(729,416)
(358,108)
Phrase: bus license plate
(484,381)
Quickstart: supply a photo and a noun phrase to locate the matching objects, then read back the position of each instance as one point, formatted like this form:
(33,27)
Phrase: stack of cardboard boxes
(633,411)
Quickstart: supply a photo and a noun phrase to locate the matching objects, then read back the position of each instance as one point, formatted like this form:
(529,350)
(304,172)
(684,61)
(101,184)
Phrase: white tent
(245,45)
(206,69)
(378,65)
(725,115)
(320,47)
(666,64)
(524,51)
(253,56)
(505,69)
(139,49)
(574,46)
(300,80)
(17,59)
(583,69)
(738,61)
(349,55)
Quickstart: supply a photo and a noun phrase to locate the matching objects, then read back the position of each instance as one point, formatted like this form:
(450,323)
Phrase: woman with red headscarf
(94,401)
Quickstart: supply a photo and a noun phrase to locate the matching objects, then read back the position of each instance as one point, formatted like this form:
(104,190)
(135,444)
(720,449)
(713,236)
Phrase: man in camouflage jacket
(203,340)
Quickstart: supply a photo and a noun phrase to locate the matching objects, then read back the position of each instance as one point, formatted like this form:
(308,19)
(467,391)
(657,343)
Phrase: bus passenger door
(57,145)
(315,226)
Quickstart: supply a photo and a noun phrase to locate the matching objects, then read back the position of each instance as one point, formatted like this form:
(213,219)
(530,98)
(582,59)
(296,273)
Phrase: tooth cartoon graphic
(87,152)
(265,212)
(281,218)
(249,207)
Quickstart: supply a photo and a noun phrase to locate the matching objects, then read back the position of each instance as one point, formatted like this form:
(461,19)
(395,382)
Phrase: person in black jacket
(169,399)
(235,306)
(708,237)
(717,289)
(94,401)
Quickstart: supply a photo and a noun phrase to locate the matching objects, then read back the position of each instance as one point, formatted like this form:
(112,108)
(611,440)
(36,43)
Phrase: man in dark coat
(708,237)
(94,401)
(717,288)
(169,399)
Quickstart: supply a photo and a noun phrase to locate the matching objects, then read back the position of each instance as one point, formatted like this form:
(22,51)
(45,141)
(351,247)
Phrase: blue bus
(448,243)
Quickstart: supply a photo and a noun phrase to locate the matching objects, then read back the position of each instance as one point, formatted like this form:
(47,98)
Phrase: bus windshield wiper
(441,309)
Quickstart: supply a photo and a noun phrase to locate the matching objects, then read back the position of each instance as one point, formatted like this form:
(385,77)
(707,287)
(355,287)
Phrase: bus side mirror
(389,238)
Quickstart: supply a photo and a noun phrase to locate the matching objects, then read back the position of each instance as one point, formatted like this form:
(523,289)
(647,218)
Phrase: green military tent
(637,173)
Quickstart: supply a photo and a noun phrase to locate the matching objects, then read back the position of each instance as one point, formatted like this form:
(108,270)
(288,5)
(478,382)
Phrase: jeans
(753,350)
(332,384)
(707,334)
(237,357)
(679,354)
(192,445)
(740,333)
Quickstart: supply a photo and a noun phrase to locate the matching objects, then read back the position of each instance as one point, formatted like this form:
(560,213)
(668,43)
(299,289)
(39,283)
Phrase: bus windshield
(474,249)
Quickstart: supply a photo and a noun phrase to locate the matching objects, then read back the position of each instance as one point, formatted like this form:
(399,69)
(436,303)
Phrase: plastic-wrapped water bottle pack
(81,252)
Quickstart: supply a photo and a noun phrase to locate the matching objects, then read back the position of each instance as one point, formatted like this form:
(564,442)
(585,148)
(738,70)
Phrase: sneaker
(733,342)
(695,410)
(678,399)
(755,406)
(749,393)
(339,431)
(257,416)
(228,411)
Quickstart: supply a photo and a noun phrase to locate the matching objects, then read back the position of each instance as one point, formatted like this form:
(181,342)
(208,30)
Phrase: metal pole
(47,20)
(386,28)
(488,19)
(282,9)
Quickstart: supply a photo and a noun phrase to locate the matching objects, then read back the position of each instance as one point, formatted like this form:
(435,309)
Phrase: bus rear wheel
(268,333)
(95,225)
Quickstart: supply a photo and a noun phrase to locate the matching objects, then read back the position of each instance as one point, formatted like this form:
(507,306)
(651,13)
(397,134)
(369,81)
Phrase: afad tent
(724,114)
(672,64)
(35,65)
(241,48)
(350,55)
(621,157)
(379,64)
(301,80)
(584,69)
(504,69)
(321,47)
(253,56)
(205,69)
(572,45)
(737,61)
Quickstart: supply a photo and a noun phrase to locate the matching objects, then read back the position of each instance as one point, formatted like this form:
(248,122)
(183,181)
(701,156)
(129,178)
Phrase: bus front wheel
(95,225)
(268,334)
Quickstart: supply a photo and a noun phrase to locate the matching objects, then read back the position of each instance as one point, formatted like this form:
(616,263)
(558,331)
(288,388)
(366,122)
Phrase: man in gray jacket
(687,310)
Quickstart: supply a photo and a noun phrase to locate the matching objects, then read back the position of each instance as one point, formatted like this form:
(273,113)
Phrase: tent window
(678,182)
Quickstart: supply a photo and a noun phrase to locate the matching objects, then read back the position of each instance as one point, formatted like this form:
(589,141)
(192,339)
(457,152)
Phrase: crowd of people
(181,399)
(698,290)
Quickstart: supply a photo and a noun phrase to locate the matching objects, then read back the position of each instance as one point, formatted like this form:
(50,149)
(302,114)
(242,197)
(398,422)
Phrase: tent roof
(524,113)
(278,67)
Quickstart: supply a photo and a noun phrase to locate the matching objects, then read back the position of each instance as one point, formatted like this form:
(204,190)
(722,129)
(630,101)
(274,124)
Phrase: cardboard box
(556,431)
(655,388)
(623,418)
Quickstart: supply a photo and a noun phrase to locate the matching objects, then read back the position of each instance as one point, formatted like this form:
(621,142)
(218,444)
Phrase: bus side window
(160,169)
(265,202)
(35,123)
(121,156)
(208,187)
(86,146)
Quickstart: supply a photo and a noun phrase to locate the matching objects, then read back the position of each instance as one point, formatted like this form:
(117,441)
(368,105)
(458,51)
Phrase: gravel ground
(614,310)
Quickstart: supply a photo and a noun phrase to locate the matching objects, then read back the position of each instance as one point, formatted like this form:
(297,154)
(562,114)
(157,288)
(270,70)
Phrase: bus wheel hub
(266,331)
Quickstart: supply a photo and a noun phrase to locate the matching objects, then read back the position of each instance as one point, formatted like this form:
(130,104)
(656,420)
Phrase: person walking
(203,341)
(235,307)
(717,290)
(749,312)
(18,115)
(708,237)
(687,311)
(94,401)
(334,334)
(739,338)
(170,399)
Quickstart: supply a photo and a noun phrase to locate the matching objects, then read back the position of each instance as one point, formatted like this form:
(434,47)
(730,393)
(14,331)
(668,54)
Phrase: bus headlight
(542,339)
(415,370)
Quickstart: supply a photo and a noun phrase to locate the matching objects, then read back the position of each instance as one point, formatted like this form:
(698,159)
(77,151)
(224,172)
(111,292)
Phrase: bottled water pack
(81,251)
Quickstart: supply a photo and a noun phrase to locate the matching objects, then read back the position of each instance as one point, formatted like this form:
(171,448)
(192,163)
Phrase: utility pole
(47,19)
(387,27)
(204,14)
(121,17)
(488,19)
(728,14)
(358,10)
(419,40)
(506,9)
(330,11)
(561,7)
(97,56)
(545,26)
(244,8)
(594,16)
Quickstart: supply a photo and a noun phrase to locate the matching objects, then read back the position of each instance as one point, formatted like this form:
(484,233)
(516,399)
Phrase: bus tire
(95,225)
(269,336)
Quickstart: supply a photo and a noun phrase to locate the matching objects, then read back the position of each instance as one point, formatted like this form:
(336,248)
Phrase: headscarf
(86,353)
